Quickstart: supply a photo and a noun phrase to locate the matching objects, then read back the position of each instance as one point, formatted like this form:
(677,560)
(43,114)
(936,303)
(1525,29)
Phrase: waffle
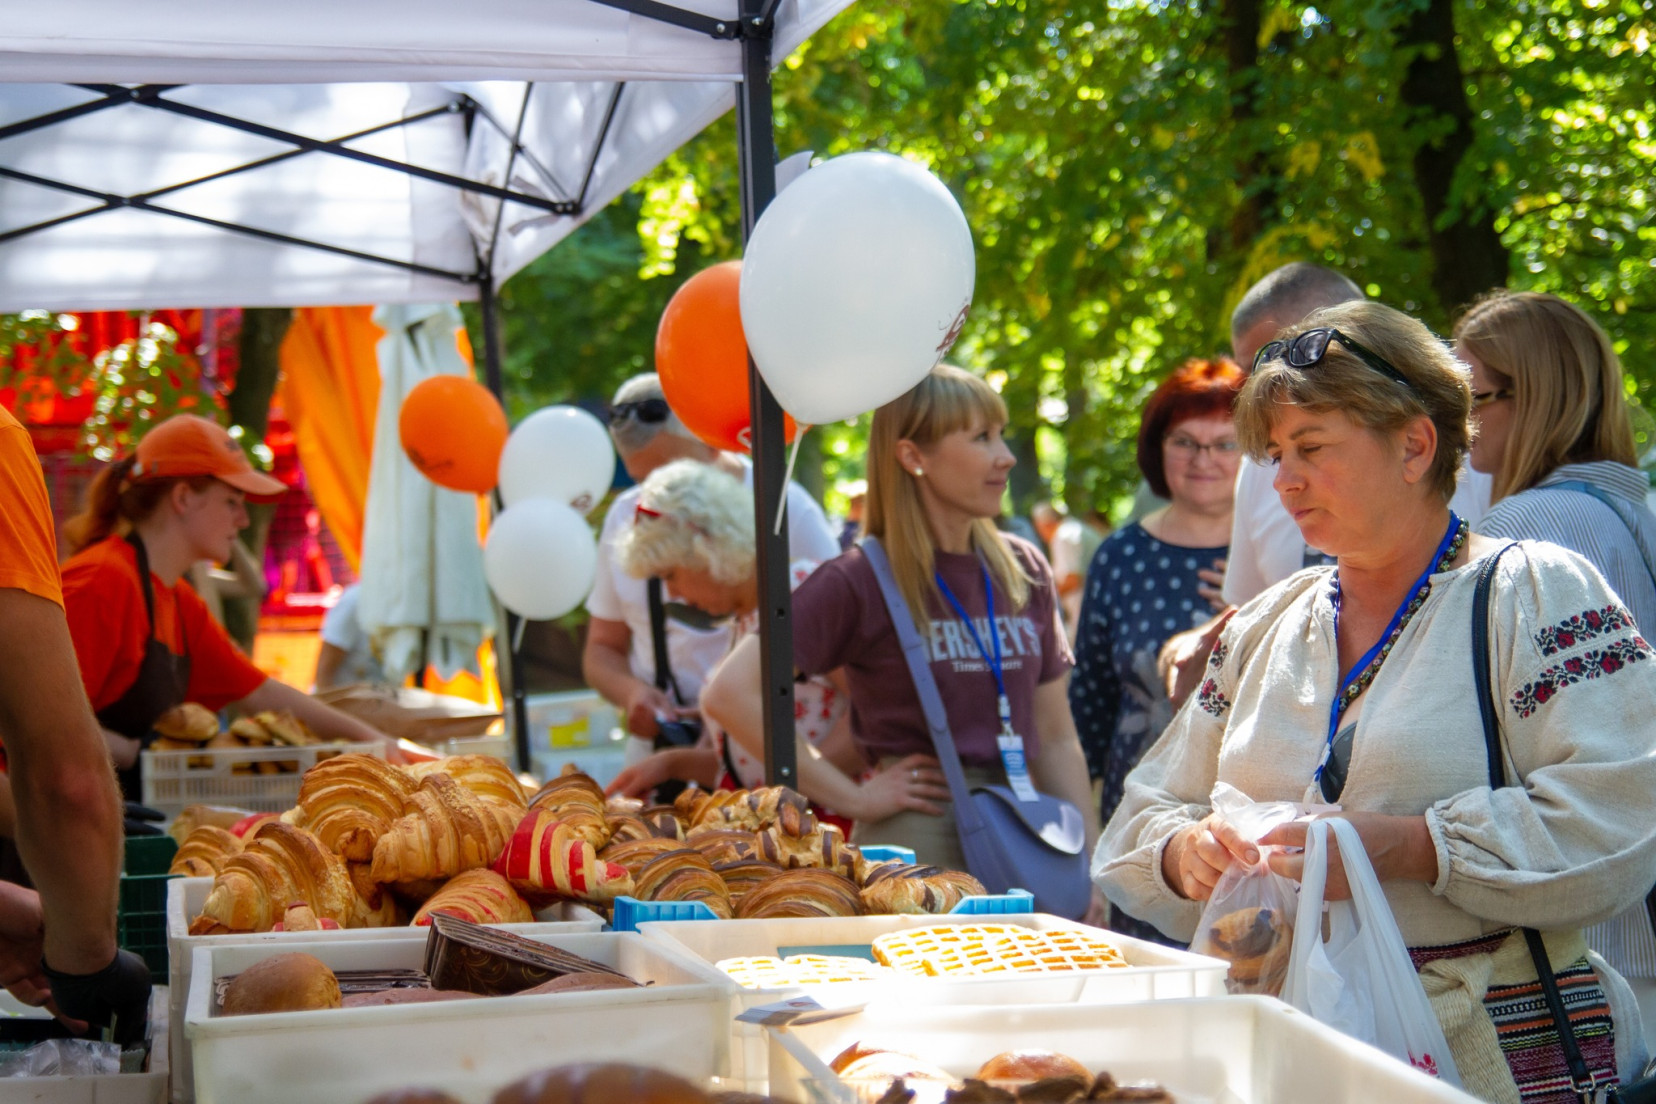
(982,949)
(765,972)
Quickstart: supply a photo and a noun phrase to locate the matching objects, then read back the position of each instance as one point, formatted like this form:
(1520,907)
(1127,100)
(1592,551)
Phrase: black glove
(115,998)
(135,811)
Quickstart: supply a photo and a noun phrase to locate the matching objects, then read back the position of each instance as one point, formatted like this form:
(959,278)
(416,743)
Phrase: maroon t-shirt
(840,620)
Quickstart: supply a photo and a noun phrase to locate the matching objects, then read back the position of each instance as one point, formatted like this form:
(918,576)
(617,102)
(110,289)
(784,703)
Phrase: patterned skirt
(1528,1036)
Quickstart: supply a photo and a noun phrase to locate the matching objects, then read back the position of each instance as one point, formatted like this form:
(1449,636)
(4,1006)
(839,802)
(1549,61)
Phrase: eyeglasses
(1308,349)
(1484,398)
(1190,448)
(645,410)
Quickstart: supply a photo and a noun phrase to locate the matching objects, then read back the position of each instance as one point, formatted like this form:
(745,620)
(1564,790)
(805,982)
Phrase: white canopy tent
(197,153)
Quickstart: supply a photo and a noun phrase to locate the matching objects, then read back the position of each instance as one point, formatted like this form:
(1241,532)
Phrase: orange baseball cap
(186,445)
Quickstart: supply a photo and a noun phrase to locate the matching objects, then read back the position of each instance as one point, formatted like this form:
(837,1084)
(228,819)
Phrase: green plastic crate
(149,854)
(141,920)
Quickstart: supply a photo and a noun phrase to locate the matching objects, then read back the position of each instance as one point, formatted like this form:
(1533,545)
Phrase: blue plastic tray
(631,912)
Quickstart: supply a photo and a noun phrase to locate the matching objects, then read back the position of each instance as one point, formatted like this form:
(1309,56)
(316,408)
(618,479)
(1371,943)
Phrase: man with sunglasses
(1266,546)
(656,679)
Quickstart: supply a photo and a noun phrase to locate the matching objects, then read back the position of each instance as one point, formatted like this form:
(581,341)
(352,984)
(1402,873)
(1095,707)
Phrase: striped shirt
(1621,543)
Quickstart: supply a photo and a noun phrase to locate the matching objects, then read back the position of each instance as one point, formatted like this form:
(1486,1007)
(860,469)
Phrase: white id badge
(1017,770)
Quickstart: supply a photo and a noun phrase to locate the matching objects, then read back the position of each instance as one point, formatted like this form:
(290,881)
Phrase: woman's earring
(918,473)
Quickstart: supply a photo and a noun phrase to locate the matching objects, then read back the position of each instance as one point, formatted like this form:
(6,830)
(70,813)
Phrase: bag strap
(925,685)
(664,679)
(1615,507)
(1580,1077)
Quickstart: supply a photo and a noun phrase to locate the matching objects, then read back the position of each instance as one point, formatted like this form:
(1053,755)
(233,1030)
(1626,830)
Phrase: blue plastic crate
(885,852)
(631,912)
(997,904)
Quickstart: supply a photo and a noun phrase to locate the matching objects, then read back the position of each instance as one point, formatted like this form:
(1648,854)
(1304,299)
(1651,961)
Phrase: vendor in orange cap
(144,640)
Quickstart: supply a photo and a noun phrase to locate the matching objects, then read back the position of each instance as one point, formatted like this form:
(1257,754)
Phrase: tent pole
(756,158)
(506,645)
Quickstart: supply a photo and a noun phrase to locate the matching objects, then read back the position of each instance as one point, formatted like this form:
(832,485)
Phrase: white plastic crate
(186,896)
(466,1048)
(1229,1050)
(149,1087)
(1153,972)
(175,779)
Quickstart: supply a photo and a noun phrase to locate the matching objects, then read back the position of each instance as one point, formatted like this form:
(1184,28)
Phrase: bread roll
(292,982)
(1033,1065)
(1256,941)
(188,723)
(888,1065)
(601,1083)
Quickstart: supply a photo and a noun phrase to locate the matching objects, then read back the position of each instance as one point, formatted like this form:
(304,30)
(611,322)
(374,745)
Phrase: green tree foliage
(1128,168)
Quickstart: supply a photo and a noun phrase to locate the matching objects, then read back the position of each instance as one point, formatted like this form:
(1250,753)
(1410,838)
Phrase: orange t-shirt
(110,628)
(28,548)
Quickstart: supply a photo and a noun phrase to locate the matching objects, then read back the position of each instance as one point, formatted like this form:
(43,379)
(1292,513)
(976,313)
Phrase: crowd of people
(1290,611)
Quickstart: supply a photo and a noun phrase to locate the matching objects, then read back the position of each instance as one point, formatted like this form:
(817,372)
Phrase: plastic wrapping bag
(63,1058)
(1360,980)
(1249,919)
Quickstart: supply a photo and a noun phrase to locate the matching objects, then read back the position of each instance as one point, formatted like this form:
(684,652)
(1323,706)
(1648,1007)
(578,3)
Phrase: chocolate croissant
(350,801)
(809,893)
(721,845)
(902,888)
(447,831)
(635,855)
(683,875)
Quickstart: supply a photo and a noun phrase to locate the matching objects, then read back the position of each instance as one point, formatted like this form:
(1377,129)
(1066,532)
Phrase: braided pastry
(481,896)
(578,802)
(448,830)
(809,893)
(350,801)
(483,775)
(901,888)
(683,875)
(544,856)
(825,847)
(750,809)
(203,852)
(280,865)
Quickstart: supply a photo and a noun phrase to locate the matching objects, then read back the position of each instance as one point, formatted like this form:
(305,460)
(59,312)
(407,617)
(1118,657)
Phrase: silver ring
(914,775)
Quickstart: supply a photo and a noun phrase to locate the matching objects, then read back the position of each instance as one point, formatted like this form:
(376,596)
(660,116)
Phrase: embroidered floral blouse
(1575,683)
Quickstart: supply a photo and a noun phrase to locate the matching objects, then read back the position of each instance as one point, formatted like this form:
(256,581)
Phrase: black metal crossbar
(678,17)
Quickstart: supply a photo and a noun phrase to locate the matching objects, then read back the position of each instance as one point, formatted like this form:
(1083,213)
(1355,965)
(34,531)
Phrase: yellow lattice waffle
(765,972)
(978,949)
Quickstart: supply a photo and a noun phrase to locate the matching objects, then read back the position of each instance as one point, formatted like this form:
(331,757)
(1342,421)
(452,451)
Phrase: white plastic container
(186,896)
(175,779)
(466,1048)
(1231,1050)
(1153,972)
(149,1087)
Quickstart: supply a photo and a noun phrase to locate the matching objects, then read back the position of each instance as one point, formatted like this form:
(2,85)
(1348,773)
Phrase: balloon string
(787,477)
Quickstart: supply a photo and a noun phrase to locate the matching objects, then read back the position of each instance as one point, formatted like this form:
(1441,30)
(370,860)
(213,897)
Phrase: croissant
(825,847)
(481,896)
(279,866)
(663,821)
(448,830)
(483,775)
(578,803)
(917,889)
(203,852)
(750,809)
(634,855)
(544,856)
(683,875)
(808,893)
(350,801)
(624,827)
(725,844)
(743,875)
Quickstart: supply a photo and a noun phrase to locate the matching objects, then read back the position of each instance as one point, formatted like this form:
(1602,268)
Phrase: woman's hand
(912,784)
(1196,857)
(1399,848)
(692,764)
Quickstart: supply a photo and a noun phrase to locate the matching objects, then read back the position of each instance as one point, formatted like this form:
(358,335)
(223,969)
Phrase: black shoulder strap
(1580,1077)
(664,679)
(144,583)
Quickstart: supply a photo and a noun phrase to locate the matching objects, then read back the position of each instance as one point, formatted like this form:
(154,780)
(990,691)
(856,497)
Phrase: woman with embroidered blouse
(1354,685)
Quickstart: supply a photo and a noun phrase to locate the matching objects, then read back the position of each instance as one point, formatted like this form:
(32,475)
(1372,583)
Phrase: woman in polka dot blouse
(1143,585)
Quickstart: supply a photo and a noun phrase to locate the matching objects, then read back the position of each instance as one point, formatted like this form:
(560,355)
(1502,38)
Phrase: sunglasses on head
(1308,349)
(645,410)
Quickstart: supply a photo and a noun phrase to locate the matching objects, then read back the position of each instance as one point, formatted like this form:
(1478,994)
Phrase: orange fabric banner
(330,390)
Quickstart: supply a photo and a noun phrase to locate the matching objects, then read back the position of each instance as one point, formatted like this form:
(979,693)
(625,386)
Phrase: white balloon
(854,284)
(540,559)
(560,453)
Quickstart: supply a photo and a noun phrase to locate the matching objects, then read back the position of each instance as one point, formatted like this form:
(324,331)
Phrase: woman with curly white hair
(693,530)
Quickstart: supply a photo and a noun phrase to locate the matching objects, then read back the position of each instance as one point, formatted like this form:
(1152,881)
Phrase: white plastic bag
(1360,981)
(1249,919)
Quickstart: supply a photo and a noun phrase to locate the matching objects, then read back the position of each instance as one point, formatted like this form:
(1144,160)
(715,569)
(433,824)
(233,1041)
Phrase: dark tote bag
(1642,1091)
(1036,845)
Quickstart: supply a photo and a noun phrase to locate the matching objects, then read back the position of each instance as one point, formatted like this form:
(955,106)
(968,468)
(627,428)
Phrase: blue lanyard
(1382,646)
(994,662)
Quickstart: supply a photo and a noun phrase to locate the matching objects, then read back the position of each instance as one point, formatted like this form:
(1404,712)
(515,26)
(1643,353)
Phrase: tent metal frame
(756,158)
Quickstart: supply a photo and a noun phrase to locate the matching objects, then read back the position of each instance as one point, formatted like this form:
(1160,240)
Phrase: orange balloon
(702,359)
(453,430)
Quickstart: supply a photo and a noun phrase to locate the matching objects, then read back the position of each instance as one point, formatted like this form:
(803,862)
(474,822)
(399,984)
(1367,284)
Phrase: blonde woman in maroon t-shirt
(937,470)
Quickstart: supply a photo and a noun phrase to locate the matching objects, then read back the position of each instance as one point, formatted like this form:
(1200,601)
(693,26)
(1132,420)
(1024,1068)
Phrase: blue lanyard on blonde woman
(1363,671)
(1010,743)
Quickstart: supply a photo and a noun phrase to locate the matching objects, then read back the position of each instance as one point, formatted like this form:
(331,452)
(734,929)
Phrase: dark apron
(163,678)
